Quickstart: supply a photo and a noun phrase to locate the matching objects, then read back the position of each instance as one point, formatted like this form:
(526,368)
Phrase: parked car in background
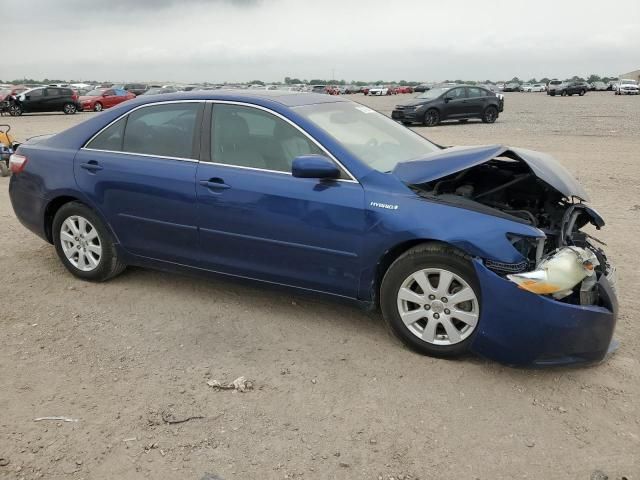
(379,90)
(102,98)
(160,90)
(404,89)
(45,99)
(611,85)
(536,87)
(349,89)
(512,87)
(135,88)
(7,92)
(552,86)
(423,87)
(318,88)
(599,86)
(450,103)
(627,87)
(526,87)
(570,88)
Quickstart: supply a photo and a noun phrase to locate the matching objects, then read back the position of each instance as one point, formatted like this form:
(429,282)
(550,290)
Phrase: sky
(242,40)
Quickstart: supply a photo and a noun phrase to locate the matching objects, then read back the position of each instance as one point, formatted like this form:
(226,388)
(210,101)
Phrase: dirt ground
(334,395)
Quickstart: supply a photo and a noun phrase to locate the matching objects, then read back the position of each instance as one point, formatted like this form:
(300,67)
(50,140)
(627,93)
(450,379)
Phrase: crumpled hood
(455,159)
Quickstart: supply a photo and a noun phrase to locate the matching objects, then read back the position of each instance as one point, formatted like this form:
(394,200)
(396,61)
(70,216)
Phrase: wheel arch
(55,204)
(392,254)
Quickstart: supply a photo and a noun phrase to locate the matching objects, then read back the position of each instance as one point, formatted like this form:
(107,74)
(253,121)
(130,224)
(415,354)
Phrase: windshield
(433,93)
(94,93)
(373,138)
(153,91)
(629,82)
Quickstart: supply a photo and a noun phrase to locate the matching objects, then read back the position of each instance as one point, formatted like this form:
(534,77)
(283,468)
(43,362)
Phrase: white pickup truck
(627,87)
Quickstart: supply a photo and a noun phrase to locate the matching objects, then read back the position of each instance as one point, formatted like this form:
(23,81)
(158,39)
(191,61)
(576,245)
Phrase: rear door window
(475,92)
(165,130)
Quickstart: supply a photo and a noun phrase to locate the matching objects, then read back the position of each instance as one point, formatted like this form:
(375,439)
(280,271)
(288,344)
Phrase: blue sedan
(479,249)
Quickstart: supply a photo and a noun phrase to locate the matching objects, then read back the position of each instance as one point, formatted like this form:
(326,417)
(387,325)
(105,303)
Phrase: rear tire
(84,244)
(69,109)
(582,92)
(438,326)
(15,110)
(97,107)
(490,114)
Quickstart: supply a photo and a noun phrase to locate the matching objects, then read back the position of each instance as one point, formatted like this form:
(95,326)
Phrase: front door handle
(215,183)
(92,166)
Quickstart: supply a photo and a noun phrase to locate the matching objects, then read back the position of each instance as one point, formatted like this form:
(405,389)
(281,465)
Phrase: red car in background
(5,93)
(101,98)
(406,89)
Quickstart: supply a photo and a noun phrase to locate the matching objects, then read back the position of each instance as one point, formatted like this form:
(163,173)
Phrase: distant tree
(488,82)
(515,80)
(545,80)
(594,78)
(533,80)
(256,82)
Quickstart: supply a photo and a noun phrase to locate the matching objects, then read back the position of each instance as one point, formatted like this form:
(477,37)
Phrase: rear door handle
(91,165)
(215,184)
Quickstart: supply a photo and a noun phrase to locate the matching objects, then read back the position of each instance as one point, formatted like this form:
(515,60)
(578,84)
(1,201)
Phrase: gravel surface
(329,394)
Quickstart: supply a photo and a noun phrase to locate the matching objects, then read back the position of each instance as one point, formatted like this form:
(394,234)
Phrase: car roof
(283,97)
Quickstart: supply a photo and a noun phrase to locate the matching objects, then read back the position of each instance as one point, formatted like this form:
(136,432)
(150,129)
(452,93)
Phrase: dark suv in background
(450,103)
(45,99)
(570,88)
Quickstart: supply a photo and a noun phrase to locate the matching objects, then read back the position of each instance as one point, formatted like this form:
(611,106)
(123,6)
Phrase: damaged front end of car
(563,286)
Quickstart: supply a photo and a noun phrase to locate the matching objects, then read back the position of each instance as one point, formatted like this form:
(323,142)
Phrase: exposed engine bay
(568,262)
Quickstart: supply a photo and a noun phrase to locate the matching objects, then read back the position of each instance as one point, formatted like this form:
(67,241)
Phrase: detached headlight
(558,274)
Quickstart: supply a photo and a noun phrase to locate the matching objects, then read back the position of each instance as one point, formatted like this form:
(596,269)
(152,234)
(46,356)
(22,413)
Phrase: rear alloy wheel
(490,115)
(69,109)
(430,300)
(582,92)
(431,118)
(84,244)
(97,107)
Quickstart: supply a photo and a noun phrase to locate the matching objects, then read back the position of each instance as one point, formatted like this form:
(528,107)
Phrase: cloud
(236,40)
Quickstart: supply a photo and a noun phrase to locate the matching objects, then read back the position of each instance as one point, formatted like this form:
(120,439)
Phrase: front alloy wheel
(438,306)
(431,118)
(430,299)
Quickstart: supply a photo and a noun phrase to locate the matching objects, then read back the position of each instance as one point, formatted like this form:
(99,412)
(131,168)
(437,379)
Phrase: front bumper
(520,328)
(406,115)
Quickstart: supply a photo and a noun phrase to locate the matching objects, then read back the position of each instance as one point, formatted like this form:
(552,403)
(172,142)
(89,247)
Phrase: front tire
(430,299)
(84,245)
(431,117)
(15,110)
(97,107)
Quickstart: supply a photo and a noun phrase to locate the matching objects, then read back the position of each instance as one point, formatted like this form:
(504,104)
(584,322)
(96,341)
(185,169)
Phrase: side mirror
(447,99)
(314,166)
